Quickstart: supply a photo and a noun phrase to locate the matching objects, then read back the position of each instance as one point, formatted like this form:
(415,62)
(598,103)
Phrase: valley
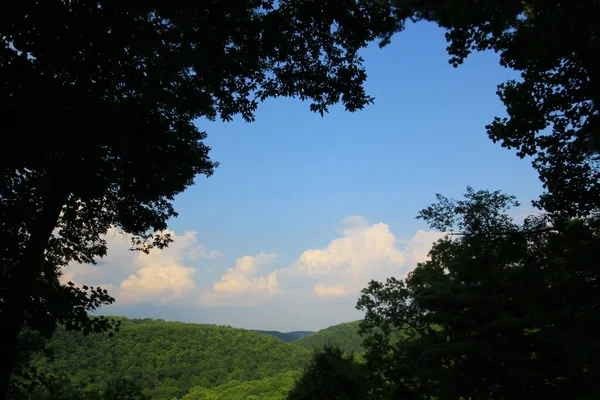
(175,360)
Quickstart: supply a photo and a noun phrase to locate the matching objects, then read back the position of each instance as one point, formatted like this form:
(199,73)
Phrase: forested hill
(167,359)
(275,387)
(344,336)
(286,336)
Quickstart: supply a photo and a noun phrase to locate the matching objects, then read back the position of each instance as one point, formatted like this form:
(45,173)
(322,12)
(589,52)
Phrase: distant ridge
(286,336)
(344,336)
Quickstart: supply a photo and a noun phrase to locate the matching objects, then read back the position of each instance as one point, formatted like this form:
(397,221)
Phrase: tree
(99,100)
(462,310)
(331,375)
(500,311)
(26,378)
(553,109)
(123,389)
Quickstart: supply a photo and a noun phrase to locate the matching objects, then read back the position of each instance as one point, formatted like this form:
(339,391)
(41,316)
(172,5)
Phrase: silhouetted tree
(553,109)
(26,378)
(500,311)
(331,375)
(505,310)
(98,100)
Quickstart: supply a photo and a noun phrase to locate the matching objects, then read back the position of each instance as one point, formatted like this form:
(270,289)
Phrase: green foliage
(125,389)
(344,336)
(501,309)
(331,375)
(26,377)
(553,109)
(287,336)
(166,359)
(275,387)
(114,389)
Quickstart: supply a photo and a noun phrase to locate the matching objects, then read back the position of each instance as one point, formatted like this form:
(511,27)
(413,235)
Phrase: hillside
(167,359)
(344,336)
(275,387)
(286,336)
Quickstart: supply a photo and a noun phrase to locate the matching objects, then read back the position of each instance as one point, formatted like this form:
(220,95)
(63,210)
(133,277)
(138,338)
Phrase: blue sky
(288,182)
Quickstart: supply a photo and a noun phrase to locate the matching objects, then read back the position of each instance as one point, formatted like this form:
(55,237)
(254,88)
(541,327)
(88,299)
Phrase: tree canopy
(100,101)
(275,387)
(163,360)
(501,310)
(331,374)
(343,336)
(504,310)
(553,109)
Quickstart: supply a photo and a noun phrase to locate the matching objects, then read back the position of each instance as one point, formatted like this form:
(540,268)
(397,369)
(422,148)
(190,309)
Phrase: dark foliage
(553,109)
(343,336)
(331,375)
(99,101)
(501,311)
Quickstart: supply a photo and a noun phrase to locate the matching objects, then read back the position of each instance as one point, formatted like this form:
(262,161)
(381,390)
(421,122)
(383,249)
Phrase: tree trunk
(27,270)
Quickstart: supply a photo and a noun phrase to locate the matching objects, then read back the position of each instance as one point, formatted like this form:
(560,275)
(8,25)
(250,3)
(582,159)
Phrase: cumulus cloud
(370,245)
(342,268)
(241,282)
(198,251)
(321,290)
(326,279)
(364,252)
(160,276)
(353,223)
(419,245)
(160,282)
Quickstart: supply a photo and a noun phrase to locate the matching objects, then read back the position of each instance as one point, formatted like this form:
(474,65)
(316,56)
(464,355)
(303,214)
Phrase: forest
(100,103)
(155,359)
(343,336)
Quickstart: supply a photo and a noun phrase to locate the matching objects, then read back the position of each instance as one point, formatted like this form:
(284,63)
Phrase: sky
(303,210)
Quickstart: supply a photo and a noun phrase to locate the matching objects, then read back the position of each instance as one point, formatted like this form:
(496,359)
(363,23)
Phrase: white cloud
(419,246)
(322,282)
(164,283)
(160,276)
(241,282)
(342,268)
(358,248)
(353,223)
(198,251)
(321,290)
(364,252)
